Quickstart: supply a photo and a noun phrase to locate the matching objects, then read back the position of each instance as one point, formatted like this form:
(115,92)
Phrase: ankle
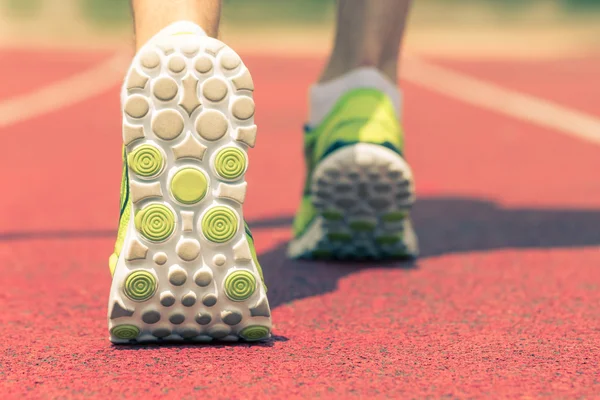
(341,62)
(324,95)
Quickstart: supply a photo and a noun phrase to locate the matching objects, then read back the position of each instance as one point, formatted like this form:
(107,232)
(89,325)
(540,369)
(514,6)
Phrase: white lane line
(456,85)
(499,99)
(74,89)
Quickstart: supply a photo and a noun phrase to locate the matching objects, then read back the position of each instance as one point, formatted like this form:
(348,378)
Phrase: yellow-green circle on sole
(146,161)
(388,239)
(332,215)
(394,216)
(220,224)
(339,236)
(140,285)
(240,285)
(189,185)
(255,332)
(230,163)
(363,226)
(155,222)
(125,331)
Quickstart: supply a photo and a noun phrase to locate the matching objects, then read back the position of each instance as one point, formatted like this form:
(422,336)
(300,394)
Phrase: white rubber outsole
(186,271)
(363,194)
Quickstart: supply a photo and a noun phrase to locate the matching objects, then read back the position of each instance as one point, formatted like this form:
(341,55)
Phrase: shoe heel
(186,271)
(363,194)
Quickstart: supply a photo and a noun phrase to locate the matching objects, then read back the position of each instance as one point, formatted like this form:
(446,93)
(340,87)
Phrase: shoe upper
(124,215)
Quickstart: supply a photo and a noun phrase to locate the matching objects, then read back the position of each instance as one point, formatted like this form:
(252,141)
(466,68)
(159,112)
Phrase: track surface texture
(503,303)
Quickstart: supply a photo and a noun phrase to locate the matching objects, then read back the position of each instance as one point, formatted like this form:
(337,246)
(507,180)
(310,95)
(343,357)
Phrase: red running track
(504,303)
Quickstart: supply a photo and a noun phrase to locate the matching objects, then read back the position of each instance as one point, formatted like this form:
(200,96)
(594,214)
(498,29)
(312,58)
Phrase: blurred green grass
(112,13)
(23,8)
(106,12)
(302,11)
(317,12)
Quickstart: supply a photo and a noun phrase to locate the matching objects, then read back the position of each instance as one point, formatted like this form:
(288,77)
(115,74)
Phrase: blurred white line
(72,90)
(456,85)
(505,101)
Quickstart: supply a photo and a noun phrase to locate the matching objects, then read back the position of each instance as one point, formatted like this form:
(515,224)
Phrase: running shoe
(184,266)
(359,188)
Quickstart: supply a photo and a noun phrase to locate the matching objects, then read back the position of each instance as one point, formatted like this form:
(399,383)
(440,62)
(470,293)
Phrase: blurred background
(478,28)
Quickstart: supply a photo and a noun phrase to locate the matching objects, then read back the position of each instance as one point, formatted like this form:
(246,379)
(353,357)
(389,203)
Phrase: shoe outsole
(186,271)
(363,194)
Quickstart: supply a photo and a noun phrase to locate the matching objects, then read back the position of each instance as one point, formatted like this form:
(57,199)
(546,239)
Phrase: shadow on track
(194,345)
(444,225)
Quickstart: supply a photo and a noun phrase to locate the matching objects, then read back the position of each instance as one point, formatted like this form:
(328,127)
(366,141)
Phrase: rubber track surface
(503,303)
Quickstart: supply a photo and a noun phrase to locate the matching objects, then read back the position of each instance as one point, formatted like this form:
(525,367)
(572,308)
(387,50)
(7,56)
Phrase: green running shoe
(359,189)
(184,266)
